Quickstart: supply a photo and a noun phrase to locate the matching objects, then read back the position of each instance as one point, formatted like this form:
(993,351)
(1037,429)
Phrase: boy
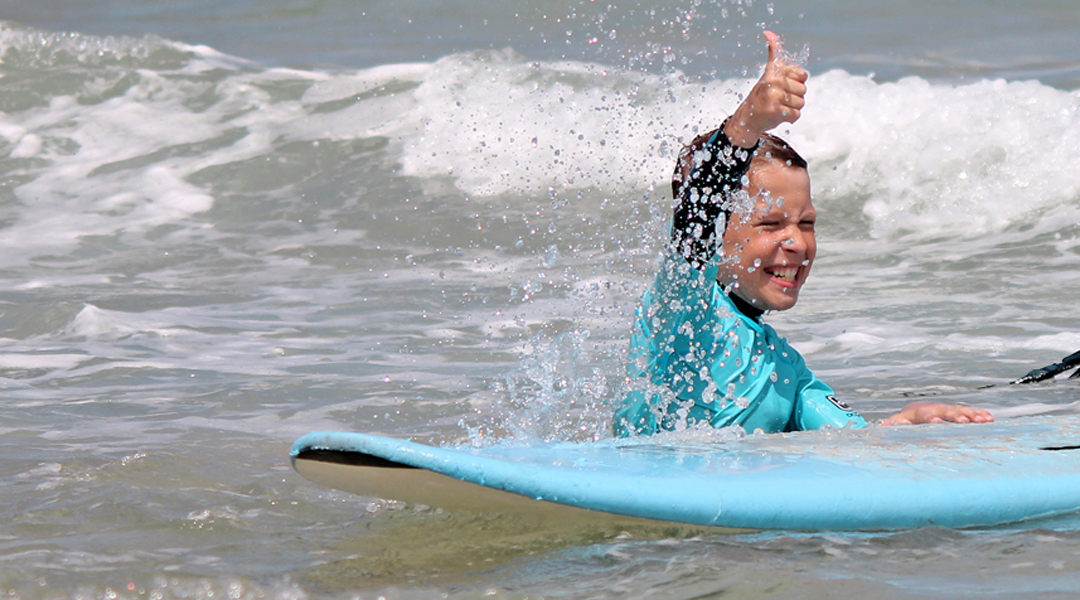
(742,244)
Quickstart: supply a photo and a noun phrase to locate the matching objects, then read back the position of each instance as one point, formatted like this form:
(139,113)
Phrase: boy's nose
(795,242)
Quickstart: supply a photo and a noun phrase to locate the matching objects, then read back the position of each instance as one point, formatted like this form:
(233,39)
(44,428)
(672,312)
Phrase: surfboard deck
(871,479)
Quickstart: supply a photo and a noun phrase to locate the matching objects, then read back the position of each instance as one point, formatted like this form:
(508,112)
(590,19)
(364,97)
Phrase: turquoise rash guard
(696,355)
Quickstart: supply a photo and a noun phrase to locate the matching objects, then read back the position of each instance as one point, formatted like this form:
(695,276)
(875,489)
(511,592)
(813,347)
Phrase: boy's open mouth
(787,274)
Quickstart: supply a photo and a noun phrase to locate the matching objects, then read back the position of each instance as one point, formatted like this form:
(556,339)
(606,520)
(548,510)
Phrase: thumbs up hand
(778,97)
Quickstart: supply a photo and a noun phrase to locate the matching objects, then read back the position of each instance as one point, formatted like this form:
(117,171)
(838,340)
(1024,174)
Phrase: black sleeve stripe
(710,169)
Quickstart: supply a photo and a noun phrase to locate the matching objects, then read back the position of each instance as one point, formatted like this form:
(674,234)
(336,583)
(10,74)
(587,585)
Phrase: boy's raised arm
(778,97)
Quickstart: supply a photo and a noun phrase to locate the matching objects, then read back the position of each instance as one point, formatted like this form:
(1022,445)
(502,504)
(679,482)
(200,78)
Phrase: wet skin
(770,250)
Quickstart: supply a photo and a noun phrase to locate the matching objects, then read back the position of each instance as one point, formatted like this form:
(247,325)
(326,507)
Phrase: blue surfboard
(870,479)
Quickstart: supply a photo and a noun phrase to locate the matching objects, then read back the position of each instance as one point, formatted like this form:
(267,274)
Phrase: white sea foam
(941,159)
(921,157)
(912,156)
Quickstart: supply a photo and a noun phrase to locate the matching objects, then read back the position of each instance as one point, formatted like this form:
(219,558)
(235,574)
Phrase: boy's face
(770,251)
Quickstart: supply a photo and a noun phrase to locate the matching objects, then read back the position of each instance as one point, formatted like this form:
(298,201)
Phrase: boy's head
(770,249)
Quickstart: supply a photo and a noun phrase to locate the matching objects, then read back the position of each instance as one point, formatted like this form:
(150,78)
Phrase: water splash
(801,59)
(559,393)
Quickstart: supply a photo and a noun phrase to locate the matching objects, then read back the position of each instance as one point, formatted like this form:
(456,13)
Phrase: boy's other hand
(937,412)
(778,97)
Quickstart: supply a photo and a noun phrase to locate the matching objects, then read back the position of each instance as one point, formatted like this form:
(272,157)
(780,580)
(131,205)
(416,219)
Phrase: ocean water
(224,225)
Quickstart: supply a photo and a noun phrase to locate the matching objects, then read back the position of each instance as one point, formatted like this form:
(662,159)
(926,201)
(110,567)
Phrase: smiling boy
(743,243)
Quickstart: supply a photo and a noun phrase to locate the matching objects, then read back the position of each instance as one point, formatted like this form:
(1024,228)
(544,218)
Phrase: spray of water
(560,392)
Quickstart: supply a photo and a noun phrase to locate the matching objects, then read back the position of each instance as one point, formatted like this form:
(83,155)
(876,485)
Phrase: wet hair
(770,149)
(774,149)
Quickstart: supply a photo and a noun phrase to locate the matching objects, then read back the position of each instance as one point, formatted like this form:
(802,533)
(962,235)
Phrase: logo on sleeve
(837,403)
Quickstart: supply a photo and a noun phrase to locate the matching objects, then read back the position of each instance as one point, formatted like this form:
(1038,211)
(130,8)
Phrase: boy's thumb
(775,44)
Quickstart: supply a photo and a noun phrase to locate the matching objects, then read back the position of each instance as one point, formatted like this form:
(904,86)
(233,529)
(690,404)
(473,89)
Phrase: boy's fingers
(793,75)
(936,412)
(794,87)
